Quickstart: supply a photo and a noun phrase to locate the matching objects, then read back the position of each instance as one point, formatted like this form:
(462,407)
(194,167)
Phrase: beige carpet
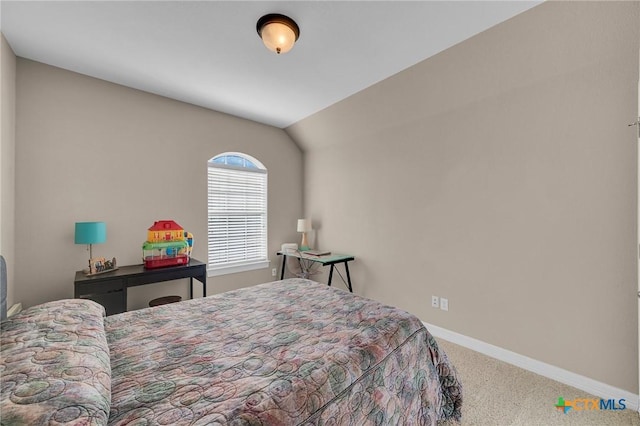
(497,393)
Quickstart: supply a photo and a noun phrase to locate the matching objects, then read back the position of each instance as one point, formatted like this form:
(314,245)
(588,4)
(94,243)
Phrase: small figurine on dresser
(100,265)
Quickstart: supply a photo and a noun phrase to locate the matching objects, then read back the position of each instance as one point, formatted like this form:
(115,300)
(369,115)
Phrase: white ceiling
(208,52)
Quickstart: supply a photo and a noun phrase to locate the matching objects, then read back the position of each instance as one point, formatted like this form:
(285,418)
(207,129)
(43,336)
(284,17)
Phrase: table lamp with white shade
(304,226)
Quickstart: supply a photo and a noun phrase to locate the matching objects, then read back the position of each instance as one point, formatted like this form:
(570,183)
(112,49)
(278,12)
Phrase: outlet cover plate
(444,304)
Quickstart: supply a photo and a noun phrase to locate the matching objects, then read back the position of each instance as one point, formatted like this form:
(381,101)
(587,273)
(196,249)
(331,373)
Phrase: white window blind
(237,220)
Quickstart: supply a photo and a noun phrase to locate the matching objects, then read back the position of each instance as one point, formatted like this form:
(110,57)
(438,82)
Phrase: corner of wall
(7,160)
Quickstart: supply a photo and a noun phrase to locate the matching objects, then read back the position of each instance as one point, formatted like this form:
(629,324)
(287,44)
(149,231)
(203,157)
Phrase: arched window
(237,220)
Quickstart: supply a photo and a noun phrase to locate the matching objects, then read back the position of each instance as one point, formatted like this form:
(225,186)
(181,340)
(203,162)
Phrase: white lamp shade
(304,225)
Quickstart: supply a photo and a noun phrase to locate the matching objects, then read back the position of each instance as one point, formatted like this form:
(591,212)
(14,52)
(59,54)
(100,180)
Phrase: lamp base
(304,245)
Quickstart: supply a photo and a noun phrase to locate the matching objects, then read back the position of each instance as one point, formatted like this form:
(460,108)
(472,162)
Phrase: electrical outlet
(435,301)
(274,272)
(444,304)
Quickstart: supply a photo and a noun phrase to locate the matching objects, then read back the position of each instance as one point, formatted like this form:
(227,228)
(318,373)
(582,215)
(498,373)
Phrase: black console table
(110,288)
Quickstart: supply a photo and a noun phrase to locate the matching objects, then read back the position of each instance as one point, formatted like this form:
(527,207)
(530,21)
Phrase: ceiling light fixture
(278,32)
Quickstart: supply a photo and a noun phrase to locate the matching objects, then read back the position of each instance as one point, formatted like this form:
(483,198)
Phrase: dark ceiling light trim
(278,32)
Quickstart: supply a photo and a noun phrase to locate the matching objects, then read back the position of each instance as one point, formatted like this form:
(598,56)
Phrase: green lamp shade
(91,232)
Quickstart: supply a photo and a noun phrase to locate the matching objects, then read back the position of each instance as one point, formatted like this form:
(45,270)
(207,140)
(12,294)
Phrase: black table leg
(203,280)
(284,262)
(330,275)
(346,267)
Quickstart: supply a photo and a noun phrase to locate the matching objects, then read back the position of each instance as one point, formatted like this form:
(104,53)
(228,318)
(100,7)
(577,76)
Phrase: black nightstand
(110,289)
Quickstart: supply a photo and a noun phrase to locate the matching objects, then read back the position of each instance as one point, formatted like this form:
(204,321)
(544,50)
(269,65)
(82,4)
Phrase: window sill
(224,270)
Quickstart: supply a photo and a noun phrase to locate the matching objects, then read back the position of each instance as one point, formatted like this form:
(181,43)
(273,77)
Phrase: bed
(281,353)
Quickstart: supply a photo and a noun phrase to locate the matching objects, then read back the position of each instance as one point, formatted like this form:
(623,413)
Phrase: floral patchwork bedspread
(290,352)
(54,366)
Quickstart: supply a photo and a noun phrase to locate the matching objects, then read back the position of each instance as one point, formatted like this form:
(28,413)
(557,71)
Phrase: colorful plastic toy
(167,245)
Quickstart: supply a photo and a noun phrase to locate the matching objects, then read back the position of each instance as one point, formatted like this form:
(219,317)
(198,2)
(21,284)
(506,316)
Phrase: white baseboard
(586,384)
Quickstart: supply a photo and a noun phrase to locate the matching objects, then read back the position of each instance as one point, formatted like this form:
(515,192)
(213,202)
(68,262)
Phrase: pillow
(54,365)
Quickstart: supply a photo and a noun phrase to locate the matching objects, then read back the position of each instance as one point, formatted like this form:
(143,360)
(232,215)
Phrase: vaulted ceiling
(208,53)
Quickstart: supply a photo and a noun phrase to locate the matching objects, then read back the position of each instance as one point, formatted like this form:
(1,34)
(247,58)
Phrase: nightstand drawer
(98,287)
(113,302)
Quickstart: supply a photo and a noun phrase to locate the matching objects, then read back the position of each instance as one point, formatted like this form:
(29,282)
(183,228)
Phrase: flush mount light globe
(278,32)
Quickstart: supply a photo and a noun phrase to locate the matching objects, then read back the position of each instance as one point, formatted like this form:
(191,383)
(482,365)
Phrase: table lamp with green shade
(91,233)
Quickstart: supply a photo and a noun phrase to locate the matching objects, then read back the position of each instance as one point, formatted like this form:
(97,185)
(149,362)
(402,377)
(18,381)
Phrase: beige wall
(7,161)
(500,174)
(90,150)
